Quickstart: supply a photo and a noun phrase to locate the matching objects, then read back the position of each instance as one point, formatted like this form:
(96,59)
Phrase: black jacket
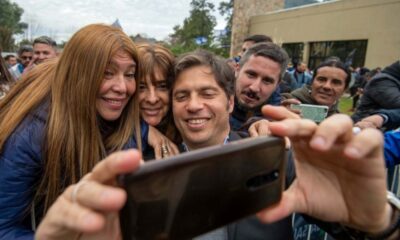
(382,92)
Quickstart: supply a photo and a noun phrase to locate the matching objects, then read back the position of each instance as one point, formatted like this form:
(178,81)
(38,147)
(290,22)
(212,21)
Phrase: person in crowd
(327,158)
(25,55)
(329,82)
(381,92)
(156,74)
(11,60)
(61,119)
(357,87)
(300,75)
(253,39)
(44,48)
(5,78)
(259,72)
(275,98)
(202,100)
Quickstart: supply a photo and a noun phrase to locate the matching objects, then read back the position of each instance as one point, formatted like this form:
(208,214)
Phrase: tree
(199,25)
(226,9)
(10,17)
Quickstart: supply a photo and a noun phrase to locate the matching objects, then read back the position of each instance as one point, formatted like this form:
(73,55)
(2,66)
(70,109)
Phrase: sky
(59,19)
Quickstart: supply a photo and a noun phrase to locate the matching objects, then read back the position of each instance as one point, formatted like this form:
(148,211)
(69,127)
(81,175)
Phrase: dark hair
(45,40)
(222,72)
(268,50)
(258,38)
(330,62)
(9,56)
(24,48)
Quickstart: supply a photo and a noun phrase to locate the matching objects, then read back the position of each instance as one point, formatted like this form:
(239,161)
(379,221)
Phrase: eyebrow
(112,63)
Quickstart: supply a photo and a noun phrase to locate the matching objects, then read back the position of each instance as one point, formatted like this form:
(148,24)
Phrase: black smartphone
(195,192)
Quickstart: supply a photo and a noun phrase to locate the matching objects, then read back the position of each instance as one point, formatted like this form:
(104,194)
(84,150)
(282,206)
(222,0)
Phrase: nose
(152,96)
(119,84)
(194,104)
(255,86)
(327,85)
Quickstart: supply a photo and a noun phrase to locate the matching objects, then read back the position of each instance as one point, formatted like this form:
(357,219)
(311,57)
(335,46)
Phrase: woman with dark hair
(156,74)
(61,119)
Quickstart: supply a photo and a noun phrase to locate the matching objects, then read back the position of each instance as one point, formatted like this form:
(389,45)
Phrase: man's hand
(89,209)
(373,121)
(340,177)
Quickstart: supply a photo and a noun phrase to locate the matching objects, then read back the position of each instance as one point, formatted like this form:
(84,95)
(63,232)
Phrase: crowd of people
(71,122)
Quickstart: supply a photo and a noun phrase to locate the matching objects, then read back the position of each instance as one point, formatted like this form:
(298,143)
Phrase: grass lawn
(345,104)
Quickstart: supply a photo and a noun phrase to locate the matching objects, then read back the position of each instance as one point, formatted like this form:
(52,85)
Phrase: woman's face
(153,98)
(117,87)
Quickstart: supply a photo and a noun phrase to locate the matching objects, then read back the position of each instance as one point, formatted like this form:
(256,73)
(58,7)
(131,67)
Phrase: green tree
(200,23)
(10,17)
(226,9)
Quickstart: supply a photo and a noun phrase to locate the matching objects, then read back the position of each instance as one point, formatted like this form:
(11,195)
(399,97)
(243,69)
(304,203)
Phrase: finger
(289,102)
(96,196)
(289,203)
(338,127)
(368,142)
(278,113)
(115,164)
(64,215)
(253,131)
(157,151)
(173,149)
(293,128)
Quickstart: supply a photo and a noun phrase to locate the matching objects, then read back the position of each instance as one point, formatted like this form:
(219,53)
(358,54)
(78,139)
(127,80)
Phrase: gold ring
(164,151)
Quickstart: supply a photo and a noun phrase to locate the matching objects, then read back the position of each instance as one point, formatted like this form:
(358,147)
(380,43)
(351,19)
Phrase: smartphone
(317,113)
(195,192)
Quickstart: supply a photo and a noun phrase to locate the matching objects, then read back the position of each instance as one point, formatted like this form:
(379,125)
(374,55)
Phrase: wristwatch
(394,226)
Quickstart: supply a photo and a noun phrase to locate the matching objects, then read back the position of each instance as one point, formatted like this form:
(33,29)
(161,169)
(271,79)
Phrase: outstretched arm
(340,176)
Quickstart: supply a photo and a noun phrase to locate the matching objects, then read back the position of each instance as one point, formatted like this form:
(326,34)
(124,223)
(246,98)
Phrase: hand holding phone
(317,113)
(193,193)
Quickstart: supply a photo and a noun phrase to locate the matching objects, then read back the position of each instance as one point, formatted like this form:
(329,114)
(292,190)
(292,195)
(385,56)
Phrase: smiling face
(328,85)
(154,98)
(256,80)
(201,108)
(42,52)
(117,87)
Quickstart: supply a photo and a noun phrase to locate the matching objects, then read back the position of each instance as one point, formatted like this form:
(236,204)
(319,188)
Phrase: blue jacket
(21,167)
(300,79)
(392,148)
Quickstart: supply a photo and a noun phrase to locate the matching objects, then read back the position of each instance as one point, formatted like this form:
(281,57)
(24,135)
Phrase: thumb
(288,204)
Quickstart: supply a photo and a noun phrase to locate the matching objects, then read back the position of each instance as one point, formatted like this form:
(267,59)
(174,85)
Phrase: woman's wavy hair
(73,141)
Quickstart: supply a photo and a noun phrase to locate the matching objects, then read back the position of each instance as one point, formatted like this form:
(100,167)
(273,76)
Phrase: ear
(231,103)
(237,70)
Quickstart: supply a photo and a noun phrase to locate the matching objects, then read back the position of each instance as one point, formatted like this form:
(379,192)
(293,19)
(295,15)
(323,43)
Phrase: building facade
(360,32)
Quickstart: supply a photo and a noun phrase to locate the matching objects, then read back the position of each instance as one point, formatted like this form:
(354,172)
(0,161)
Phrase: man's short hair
(24,48)
(45,40)
(9,56)
(222,72)
(258,38)
(332,62)
(268,50)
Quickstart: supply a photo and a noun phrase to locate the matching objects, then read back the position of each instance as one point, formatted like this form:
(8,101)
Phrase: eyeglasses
(26,58)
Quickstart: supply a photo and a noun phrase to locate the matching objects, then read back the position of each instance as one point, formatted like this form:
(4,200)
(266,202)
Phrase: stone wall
(242,11)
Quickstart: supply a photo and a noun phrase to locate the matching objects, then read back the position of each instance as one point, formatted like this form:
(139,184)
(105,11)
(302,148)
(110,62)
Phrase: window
(294,50)
(350,52)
